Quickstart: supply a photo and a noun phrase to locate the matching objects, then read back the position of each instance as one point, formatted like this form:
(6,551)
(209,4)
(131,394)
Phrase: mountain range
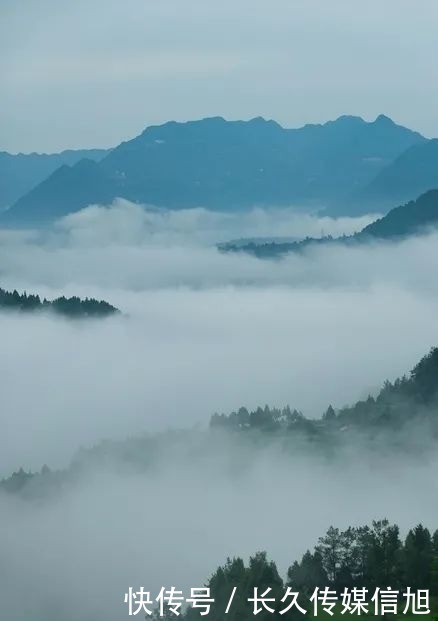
(20,173)
(346,166)
(409,175)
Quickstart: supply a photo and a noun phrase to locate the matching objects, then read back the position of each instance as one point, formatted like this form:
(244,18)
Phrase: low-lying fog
(200,332)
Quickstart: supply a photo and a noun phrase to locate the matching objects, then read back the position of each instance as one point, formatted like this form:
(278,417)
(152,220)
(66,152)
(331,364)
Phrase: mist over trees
(413,218)
(409,399)
(397,420)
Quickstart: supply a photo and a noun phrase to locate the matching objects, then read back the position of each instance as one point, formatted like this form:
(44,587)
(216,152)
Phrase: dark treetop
(70,307)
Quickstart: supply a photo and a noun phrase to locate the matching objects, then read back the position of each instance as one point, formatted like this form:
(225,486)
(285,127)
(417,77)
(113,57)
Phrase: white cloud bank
(201,332)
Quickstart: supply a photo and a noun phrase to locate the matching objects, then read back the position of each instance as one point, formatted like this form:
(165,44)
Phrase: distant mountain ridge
(226,165)
(412,218)
(415,171)
(66,190)
(21,172)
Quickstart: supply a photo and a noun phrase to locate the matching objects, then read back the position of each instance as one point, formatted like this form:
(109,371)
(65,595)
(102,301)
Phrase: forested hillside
(364,559)
(407,400)
(401,419)
(414,218)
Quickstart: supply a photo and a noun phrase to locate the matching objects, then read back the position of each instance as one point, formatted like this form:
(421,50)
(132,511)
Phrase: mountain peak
(225,165)
(382,119)
(348,119)
(86,164)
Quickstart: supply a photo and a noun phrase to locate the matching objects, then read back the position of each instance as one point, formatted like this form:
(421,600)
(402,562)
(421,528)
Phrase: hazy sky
(82,74)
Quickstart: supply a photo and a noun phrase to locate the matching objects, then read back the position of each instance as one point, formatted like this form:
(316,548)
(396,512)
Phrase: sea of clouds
(200,331)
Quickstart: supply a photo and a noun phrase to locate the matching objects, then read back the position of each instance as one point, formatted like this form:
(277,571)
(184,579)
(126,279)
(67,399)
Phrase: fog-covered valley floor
(200,332)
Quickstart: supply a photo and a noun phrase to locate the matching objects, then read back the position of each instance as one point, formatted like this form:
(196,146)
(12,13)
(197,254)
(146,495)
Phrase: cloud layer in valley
(200,332)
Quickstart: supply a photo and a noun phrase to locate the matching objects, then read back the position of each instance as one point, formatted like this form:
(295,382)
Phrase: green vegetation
(69,307)
(370,557)
(409,400)
(401,418)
